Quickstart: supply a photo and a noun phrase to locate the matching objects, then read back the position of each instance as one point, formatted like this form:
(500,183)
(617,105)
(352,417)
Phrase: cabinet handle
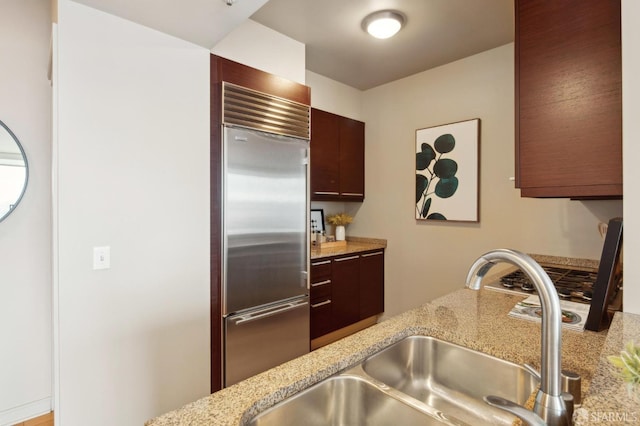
(317,305)
(372,254)
(351,194)
(345,258)
(324,262)
(321,283)
(269,312)
(326,193)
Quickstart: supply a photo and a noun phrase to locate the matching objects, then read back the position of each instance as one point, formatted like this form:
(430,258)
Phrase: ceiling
(436,32)
(202,22)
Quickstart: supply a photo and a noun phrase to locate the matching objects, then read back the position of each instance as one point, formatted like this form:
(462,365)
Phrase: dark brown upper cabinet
(337,157)
(568,75)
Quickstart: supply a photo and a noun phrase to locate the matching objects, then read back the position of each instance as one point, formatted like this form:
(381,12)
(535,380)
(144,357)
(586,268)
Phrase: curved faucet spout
(549,403)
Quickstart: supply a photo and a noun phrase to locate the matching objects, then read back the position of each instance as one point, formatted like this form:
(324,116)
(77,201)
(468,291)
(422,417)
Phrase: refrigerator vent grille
(248,108)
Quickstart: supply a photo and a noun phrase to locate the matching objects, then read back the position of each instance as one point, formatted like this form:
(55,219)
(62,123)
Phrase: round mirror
(13,171)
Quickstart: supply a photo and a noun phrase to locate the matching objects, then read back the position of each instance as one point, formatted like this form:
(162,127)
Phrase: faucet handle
(571,382)
(569,405)
(528,417)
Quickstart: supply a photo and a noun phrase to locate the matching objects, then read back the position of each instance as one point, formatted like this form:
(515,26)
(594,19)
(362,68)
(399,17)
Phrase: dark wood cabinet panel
(337,157)
(371,284)
(351,158)
(568,98)
(325,154)
(345,290)
(222,69)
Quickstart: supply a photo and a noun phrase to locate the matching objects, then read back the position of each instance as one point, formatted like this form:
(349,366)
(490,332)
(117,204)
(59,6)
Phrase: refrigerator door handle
(269,312)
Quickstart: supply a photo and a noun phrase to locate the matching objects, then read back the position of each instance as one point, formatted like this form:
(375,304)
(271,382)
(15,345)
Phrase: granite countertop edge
(354,245)
(476,320)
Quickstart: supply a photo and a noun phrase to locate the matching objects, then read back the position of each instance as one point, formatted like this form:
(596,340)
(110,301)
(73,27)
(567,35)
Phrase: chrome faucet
(549,403)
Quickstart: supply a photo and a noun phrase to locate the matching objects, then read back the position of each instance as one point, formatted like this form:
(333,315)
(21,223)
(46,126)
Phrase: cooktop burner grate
(572,284)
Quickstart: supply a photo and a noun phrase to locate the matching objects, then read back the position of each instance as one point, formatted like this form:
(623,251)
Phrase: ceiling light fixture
(384,23)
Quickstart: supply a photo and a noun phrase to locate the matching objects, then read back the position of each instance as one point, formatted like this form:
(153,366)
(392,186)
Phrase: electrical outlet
(102,257)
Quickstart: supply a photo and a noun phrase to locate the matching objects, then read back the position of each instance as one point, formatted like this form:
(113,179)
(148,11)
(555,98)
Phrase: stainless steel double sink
(418,380)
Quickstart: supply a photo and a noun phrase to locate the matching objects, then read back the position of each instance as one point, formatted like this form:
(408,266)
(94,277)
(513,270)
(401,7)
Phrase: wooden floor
(45,420)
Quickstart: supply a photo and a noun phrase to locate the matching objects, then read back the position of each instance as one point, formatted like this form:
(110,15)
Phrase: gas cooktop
(571,284)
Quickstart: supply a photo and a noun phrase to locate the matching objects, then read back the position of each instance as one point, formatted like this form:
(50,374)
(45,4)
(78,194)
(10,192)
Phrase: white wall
(260,47)
(332,96)
(428,259)
(132,172)
(25,236)
(631,151)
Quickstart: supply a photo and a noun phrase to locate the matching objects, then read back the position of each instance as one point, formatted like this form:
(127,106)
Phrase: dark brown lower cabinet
(345,290)
(371,284)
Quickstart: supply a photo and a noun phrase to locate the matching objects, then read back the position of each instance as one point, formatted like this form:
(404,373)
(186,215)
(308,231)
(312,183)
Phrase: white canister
(339,233)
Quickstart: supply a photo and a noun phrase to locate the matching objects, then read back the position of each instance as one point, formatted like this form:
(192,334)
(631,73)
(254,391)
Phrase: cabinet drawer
(320,270)
(321,318)
(320,290)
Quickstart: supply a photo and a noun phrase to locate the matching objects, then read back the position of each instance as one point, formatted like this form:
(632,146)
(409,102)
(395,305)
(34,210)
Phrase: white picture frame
(447,172)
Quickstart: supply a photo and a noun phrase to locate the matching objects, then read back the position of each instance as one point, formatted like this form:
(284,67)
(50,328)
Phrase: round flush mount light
(384,23)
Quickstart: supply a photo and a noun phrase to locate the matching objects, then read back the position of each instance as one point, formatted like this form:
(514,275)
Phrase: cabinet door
(351,159)
(321,318)
(568,98)
(325,155)
(371,284)
(345,290)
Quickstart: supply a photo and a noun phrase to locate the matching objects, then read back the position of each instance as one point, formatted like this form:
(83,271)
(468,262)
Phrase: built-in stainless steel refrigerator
(265,294)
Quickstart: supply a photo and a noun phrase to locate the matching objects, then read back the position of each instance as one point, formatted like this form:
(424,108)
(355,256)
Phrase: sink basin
(450,378)
(343,400)
(419,380)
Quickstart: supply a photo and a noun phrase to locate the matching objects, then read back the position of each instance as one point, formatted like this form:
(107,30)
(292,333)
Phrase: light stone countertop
(609,403)
(354,245)
(477,320)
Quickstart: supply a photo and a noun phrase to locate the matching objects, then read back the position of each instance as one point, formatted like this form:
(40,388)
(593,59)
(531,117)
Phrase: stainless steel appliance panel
(264,338)
(264,220)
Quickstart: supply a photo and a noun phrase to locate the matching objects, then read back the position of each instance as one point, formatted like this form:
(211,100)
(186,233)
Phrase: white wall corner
(333,96)
(260,47)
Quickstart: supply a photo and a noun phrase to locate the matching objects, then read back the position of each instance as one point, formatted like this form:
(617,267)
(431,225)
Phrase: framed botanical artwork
(447,172)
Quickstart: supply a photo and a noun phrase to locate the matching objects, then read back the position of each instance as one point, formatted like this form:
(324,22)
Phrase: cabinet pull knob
(372,254)
(317,305)
(326,193)
(324,262)
(321,283)
(345,258)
